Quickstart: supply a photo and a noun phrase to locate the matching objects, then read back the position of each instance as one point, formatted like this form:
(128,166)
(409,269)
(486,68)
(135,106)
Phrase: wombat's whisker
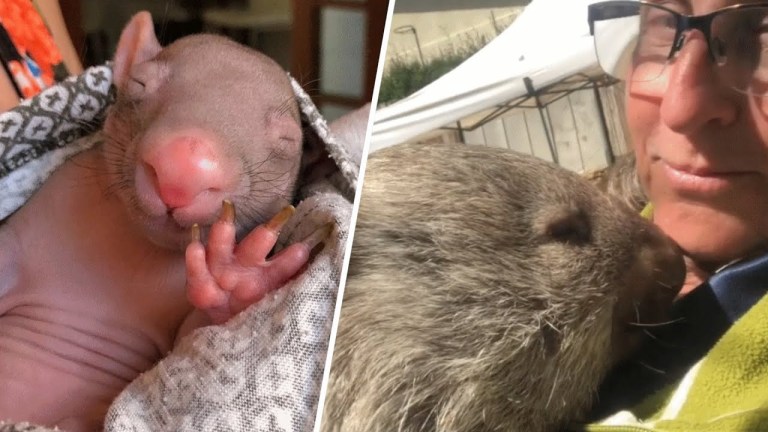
(85,181)
(257,167)
(117,145)
(312,91)
(652,325)
(665,285)
(651,368)
(249,214)
(95,169)
(113,153)
(90,123)
(288,106)
(274,155)
(123,183)
(263,172)
(637,310)
(650,335)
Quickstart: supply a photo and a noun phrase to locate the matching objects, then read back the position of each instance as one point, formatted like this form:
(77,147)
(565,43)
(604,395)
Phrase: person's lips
(701,180)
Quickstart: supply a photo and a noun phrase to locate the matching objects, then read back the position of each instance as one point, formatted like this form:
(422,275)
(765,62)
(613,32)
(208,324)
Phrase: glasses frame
(683,23)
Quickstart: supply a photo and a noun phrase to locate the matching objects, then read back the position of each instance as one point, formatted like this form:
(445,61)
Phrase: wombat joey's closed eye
(144,79)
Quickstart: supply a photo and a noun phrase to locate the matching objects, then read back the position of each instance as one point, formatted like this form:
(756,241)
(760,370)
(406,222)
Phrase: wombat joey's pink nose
(184,168)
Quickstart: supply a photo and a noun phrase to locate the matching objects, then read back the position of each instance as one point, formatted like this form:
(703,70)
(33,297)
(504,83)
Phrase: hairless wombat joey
(488,291)
(98,277)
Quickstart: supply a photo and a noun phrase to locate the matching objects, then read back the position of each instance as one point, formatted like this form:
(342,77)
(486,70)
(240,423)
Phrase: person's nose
(695,95)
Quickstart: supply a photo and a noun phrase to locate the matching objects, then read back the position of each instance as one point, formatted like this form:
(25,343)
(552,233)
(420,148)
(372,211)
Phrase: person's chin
(708,235)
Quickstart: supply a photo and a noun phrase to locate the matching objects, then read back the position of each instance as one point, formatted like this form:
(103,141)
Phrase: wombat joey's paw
(224,278)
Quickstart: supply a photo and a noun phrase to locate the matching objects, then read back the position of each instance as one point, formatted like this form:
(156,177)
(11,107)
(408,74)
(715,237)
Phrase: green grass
(404,77)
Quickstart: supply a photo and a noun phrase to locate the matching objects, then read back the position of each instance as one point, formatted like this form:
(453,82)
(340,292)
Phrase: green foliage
(404,77)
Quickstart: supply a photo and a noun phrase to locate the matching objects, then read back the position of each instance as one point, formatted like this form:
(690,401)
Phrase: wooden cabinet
(336,45)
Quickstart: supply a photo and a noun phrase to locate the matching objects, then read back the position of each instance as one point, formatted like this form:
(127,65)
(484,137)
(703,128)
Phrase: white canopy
(549,41)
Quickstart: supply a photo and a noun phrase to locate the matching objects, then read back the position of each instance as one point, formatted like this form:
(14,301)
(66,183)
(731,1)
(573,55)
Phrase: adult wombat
(488,291)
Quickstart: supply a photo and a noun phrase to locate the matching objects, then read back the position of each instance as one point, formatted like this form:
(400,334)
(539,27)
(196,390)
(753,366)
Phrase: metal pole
(532,93)
(409,28)
(609,156)
(418,45)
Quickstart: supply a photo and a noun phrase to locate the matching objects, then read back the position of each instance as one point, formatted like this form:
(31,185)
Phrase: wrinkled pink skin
(92,268)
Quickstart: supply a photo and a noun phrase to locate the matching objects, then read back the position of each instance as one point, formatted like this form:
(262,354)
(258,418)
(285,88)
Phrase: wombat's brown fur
(487,291)
(620,181)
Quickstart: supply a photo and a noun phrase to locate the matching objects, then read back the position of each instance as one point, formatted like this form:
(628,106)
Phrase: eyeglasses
(636,40)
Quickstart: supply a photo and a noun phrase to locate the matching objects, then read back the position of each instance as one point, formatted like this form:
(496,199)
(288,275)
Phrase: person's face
(702,151)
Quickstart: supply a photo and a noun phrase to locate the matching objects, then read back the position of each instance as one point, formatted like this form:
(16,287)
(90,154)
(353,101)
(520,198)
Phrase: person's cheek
(760,109)
(642,118)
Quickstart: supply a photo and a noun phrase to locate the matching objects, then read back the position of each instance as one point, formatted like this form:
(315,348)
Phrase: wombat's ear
(137,44)
(567,224)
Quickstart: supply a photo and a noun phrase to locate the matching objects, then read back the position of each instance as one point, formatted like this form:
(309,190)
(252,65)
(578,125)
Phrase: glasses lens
(739,40)
(633,40)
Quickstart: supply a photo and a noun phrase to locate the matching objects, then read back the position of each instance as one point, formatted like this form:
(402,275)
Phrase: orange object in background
(27,50)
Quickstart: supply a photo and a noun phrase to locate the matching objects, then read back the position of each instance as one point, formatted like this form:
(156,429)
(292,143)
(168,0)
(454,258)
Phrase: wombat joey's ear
(137,44)
(567,224)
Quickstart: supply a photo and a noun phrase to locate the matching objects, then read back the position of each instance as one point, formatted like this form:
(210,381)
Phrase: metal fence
(577,124)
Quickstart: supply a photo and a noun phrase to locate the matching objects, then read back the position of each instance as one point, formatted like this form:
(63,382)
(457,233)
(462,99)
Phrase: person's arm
(8,96)
(51,12)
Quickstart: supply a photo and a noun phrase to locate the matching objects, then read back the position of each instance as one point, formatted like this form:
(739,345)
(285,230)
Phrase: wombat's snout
(185,174)
(652,282)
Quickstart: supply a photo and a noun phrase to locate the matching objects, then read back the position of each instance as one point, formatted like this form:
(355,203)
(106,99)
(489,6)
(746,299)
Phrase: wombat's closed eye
(568,225)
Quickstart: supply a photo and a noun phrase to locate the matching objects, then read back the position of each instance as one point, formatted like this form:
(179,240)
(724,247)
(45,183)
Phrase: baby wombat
(488,291)
(98,277)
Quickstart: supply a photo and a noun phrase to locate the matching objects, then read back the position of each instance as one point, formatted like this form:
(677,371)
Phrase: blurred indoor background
(330,46)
